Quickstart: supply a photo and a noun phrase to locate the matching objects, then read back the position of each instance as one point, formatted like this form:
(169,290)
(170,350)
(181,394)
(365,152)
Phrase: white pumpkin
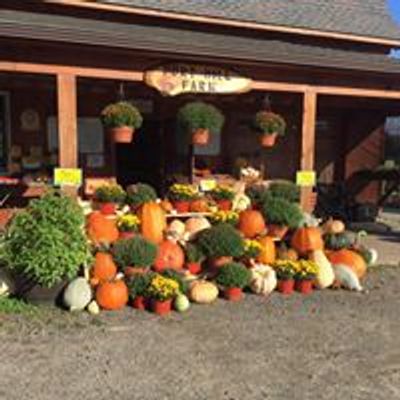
(7,285)
(325,276)
(263,279)
(176,228)
(241,202)
(347,278)
(77,294)
(203,292)
(181,303)
(93,308)
(195,225)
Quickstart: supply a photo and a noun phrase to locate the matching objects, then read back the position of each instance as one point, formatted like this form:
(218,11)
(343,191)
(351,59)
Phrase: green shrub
(46,242)
(257,194)
(199,115)
(222,193)
(110,194)
(193,253)
(177,277)
(221,240)
(278,211)
(233,275)
(135,252)
(138,284)
(286,190)
(139,194)
(121,114)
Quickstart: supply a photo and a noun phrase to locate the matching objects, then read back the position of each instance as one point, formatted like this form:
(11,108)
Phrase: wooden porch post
(308,142)
(67,121)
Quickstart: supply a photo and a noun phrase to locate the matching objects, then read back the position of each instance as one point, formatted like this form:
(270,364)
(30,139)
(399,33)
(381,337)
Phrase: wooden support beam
(67,121)
(308,144)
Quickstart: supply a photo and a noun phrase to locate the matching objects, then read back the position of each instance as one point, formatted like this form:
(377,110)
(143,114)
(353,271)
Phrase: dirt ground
(330,345)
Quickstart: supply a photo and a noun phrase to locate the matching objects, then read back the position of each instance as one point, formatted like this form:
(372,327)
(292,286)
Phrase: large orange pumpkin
(104,268)
(112,295)
(307,239)
(350,258)
(153,222)
(170,256)
(268,250)
(251,223)
(101,229)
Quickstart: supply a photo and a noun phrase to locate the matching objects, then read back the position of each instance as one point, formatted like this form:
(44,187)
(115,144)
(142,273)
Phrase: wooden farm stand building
(325,65)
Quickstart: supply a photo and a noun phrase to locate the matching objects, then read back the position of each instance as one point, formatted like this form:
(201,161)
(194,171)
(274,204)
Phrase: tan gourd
(325,276)
(203,292)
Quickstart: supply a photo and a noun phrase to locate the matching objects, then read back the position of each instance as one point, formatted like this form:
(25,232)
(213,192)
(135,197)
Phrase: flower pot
(161,307)
(122,134)
(286,286)
(108,208)
(233,294)
(268,139)
(139,302)
(277,231)
(193,267)
(182,206)
(304,286)
(220,261)
(126,235)
(201,137)
(224,205)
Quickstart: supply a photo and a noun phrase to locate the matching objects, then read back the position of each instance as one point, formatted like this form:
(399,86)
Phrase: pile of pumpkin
(160,265)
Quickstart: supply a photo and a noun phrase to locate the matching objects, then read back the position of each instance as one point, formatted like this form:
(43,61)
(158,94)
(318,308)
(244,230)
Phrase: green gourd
(181,303)
(337,241)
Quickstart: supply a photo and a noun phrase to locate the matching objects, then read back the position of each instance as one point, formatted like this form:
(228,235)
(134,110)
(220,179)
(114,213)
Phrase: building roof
(188,42)
(370,18)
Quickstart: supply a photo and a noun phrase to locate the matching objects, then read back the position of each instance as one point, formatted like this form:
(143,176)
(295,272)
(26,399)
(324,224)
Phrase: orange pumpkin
(251,223)
(199,205)
(166,206)
(170,256)
(101,229)
(104,268)
(268,251)
(153,222)
(307,239)
(349,258)
(112,295)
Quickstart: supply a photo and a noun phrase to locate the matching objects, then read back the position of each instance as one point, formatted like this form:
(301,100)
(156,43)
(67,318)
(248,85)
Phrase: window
(4,124)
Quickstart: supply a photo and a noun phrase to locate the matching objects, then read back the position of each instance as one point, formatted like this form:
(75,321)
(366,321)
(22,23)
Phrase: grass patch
(10,305)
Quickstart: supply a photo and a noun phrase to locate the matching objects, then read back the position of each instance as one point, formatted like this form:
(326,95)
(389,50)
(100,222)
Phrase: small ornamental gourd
(93,308)
(112,295)
(77,295)
(334,226)
(263,279)
(347,278)
(7,284)
(153,222)
(350,258)
(325,275)
(170,256)
(251,223)
(203,292)
(268,250)
(181,303)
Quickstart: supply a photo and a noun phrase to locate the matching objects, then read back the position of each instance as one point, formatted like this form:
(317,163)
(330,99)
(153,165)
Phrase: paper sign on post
(306,178)
(68,177)
(207,185)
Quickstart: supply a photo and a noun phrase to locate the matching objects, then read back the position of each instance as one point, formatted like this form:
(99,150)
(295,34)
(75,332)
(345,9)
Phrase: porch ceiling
(186,41)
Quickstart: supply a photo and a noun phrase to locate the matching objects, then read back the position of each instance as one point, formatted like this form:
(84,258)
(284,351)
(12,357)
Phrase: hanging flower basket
(268,139)
(122,134)
(201,137)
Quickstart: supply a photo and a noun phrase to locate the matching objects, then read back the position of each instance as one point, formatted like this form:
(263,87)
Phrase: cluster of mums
(101,256)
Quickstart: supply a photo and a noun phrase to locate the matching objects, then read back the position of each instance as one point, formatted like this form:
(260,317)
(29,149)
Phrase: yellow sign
(207,185)
(175,79)
(306,178)
(67,177)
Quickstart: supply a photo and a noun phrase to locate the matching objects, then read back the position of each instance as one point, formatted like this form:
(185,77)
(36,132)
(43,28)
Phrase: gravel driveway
(330,345)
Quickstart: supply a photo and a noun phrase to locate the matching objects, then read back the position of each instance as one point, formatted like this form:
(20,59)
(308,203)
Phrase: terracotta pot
(201,137)
(193,267)
(139,302)
(286,286)
(233,294)
(161,307)
(126,235)
(122,134)
(304,286)
(108,208)
(181,206)
(277,231)
(224,205)
(131,271)
(220,261)
(268,139)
